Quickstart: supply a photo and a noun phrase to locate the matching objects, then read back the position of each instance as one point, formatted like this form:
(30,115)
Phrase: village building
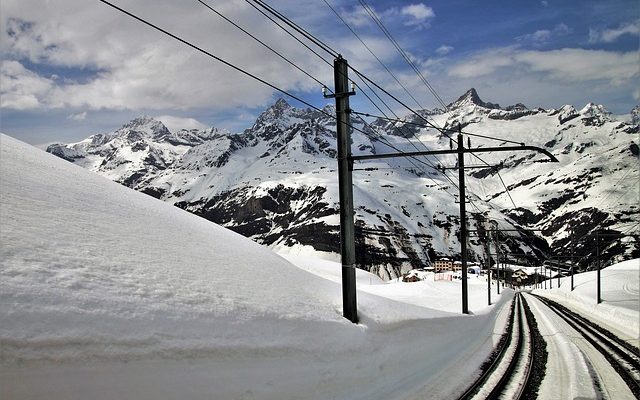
(443,264)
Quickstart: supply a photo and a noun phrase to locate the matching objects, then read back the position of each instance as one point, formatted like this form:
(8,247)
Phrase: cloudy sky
(71,68)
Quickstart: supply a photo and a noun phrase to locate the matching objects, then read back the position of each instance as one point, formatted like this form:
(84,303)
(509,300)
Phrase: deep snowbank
(108,293)
(620,293)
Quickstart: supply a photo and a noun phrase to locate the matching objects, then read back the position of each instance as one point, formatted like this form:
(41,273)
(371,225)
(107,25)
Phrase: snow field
(109,293)
(620,293)
(106,293)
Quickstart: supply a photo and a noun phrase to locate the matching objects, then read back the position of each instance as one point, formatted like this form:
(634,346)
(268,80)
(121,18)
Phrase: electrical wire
(390,73)
(260,41)
(404,55)
(289,33)
(297,28)
(380,25)
(372,53)
(238,69)
(209,54)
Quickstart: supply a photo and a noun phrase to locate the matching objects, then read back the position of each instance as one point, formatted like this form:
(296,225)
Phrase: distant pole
(489,272)
(495,238)
(572,278)
(345,183)
(572,246)
(489,283)
(598,297)
(544,272)
(463,222)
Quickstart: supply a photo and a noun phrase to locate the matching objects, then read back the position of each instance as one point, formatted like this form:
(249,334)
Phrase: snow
(108,293)
(620,293)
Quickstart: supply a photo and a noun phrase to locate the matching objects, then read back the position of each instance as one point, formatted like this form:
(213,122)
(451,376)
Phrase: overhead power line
(209,54)
(269,17)
(297,28)
(373,54)
(260,41)
(244,72)
(404,55)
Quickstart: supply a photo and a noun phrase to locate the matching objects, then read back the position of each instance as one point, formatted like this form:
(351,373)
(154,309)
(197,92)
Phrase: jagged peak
(141,121)
(281,103)
(146,125)
(635,115)
(592,109)
(471,98)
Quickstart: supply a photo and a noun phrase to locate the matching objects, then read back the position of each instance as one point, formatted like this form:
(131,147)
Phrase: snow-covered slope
(276,182)
(108,293)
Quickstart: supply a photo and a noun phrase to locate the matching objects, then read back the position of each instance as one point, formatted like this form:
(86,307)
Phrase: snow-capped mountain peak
(471,98)
(276,183)
(145,125)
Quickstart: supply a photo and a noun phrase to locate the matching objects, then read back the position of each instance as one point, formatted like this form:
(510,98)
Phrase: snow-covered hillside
(594,187)
(276,182)
(106,293)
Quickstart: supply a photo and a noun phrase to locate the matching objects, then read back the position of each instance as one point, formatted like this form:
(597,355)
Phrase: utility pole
(489,273)
(598,296)
(463,222)
(345,184)
(460,151)
(572,246)
(495,238)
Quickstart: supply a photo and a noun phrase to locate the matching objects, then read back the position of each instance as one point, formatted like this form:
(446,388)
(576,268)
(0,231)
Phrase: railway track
(508,375)
(623,356)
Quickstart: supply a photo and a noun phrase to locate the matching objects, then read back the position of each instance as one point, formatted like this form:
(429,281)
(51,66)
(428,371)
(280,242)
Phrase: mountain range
(276,182)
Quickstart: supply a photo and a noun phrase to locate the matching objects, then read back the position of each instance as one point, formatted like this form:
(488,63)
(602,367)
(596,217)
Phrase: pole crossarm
(552,158)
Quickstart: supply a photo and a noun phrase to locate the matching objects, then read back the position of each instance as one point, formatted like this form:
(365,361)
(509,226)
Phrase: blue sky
(77,67)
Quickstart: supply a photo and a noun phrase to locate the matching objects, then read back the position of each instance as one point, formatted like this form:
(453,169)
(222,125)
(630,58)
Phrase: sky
(73,68)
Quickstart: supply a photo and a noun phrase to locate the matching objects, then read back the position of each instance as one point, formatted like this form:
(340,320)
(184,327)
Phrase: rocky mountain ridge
(276,182)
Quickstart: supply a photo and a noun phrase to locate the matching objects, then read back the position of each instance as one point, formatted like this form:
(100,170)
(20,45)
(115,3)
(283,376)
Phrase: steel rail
(622,356)
(506,377)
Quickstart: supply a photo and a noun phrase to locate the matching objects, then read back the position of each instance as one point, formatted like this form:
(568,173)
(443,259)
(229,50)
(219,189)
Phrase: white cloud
(22,89)
(174,124)
(81,116)
(544,35)
(111,61)
(483,63)
(358,17)
(611,35)
(415,15)
(572,65)
(419,11)
(418,14)
(582,65)
(444,49)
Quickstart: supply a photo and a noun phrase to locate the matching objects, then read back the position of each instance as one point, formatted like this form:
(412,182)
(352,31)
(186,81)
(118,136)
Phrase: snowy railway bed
(508,372)
(623,358)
